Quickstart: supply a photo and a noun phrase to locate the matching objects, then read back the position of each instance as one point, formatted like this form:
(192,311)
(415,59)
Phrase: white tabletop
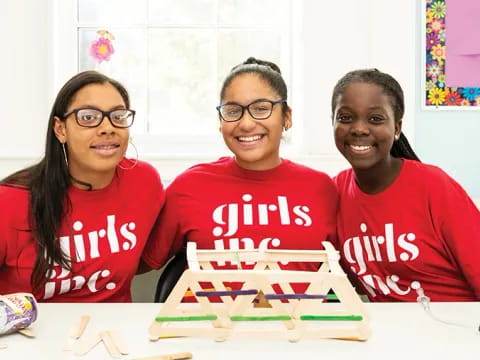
(399,331)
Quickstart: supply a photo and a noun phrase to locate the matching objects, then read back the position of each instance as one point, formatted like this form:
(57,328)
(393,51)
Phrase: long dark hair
(391,87)
(267,70)
(49,179)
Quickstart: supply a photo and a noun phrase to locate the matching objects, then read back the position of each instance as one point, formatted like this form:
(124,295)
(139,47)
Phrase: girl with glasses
(254,199)
(406,229)
(74,225)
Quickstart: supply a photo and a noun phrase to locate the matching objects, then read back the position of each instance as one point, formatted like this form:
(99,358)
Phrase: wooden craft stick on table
(110,344)
(76,332)
(111,339)
(27,332)
(177,356)
(118,341)
(84,346)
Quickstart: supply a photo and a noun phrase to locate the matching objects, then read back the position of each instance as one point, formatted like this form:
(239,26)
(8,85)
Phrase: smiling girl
(403,227)
(73,226)
(255,199)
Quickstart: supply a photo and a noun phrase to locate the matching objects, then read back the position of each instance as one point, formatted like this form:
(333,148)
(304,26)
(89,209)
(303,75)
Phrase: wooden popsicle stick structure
(289,315)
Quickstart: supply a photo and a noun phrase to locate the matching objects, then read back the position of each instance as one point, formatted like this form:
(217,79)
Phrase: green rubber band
(186,318)
(260,317)
(332,317)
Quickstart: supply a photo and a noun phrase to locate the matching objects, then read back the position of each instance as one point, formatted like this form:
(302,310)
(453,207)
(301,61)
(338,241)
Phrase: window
(172,56)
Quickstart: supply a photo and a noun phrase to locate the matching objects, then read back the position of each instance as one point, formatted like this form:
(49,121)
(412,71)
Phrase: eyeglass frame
(104,113)
(219,107)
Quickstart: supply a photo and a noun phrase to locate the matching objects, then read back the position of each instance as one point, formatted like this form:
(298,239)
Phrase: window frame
(173,154)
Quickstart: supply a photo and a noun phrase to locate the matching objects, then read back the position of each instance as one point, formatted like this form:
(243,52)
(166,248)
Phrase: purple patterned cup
(17,311)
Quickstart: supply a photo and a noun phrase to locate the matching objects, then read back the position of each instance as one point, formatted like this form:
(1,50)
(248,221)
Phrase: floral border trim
(436,92)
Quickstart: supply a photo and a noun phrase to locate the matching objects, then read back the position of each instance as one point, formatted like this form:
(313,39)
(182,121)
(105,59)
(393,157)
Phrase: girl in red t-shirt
(73,226)
(404,228)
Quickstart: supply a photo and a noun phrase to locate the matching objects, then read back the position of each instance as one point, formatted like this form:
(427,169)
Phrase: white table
(399,331)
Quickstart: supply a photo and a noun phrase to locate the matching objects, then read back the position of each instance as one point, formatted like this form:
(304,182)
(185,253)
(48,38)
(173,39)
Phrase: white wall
(344,35)
(25,74)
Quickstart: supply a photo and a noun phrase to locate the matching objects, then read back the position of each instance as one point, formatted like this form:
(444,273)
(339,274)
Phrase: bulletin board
(451,54)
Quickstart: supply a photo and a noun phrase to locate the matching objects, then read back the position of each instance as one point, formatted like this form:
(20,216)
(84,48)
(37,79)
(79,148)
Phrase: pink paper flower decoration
(101,49)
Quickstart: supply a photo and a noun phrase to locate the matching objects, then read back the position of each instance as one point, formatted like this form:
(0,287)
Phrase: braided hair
(401,147)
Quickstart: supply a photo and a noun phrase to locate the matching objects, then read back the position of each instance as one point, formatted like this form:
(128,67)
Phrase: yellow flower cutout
(429,16)
(437,96)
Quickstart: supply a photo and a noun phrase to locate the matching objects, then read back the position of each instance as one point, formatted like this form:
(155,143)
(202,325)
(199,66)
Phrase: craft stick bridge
(285,314)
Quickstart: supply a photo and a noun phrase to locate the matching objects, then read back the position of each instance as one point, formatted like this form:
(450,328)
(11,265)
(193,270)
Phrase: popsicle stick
(110,344)
(83,347)
(27,332)
(170,336)
(119,343)
(177,356)
(76,332)
(3,346)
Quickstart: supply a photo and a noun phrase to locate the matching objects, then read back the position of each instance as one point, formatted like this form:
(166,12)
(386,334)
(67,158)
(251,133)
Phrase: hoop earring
(65,154)
(135,161)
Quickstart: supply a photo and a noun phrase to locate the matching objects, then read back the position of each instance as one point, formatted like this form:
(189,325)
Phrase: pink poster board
(462,26)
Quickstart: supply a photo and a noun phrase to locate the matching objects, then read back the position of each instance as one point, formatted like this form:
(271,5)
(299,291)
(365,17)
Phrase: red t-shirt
(423,231)
(104,233)
(222,206)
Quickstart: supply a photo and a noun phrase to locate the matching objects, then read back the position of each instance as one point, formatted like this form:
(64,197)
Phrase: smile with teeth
(360,147)
(249,138)
(106,149)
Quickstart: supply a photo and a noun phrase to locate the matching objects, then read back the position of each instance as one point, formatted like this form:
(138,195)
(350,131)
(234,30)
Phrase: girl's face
(93,153)
(255,143)
(364,125)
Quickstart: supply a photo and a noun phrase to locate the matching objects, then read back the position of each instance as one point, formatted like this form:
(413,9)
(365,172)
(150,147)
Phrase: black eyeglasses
(259,110)
(88,117)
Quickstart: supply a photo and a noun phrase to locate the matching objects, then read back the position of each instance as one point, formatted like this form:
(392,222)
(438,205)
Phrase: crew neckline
(401,174)
(97,192)
(273,173)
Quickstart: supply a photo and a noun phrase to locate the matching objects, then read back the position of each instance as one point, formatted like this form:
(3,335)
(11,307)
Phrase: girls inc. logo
(382,247)
(357,250)
(81,247)
(231,217)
